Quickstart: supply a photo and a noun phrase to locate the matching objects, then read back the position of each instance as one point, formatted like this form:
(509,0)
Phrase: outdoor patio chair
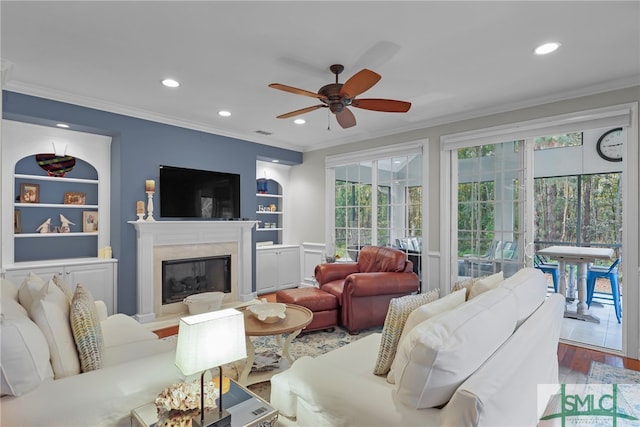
(542,263)
(611,273)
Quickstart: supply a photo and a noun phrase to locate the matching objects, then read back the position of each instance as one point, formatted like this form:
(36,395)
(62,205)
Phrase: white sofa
(500,388)
(136,366)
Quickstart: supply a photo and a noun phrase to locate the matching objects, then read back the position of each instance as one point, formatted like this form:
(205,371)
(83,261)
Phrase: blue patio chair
(610,273)
(541,263)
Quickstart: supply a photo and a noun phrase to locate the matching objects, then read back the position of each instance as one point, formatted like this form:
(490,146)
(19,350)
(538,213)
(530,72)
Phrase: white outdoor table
(581,256)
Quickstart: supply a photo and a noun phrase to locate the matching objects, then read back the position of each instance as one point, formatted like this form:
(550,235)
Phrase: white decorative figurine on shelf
(64,228)
(45,227)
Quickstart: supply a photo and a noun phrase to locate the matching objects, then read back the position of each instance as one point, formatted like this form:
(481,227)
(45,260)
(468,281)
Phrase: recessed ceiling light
(546,48)
(299,121)
(275,161)
(224,113)
(62,125)
(170,83)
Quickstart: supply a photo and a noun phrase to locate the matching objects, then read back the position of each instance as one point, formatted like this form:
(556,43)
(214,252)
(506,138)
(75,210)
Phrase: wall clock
(610,146)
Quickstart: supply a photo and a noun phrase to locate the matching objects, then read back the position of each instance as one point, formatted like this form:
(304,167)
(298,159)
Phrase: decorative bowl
(269,312)
(204,302)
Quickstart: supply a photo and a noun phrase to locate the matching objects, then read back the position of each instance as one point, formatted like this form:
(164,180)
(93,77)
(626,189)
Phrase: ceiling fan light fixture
(546,48)
(299,121)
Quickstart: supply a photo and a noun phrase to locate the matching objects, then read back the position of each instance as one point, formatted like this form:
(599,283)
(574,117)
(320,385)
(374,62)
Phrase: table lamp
(205,341)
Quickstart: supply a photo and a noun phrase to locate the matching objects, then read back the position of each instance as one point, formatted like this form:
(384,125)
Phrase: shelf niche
(90,175)
(271,226)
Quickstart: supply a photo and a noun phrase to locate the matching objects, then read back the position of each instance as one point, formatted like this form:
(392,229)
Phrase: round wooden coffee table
(297,318)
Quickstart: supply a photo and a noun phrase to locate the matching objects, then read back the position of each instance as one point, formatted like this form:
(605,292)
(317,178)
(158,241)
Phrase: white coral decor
(186,396)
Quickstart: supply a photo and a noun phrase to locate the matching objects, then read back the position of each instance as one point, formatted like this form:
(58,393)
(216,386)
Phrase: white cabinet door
(277,268)
(288,268)
(17,276)
(266,271)
(98,279)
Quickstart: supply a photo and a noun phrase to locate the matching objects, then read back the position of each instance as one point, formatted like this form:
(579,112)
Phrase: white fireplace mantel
(165,233)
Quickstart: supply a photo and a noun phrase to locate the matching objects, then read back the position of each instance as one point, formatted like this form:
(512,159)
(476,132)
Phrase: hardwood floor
(579,359)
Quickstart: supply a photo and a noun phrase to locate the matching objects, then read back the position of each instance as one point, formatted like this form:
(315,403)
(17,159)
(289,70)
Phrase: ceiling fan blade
(358,83)
(346,119)
(300,111)
(295,90)
(385,105)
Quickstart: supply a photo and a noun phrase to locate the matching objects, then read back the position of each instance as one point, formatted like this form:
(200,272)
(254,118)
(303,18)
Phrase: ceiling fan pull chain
(328,120)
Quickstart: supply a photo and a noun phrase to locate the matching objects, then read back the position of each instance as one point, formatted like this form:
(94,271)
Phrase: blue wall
(138,148)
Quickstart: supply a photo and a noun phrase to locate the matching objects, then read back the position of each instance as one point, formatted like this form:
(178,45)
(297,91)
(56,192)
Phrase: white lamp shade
(210,339)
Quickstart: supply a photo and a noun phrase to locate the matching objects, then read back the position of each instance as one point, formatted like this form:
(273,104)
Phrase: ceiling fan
(338,96)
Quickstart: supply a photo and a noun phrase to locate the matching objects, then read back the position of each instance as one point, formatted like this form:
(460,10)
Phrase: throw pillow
(64,287)
(465,284)
(51,314)
(486,284)
(86,330)
(8,289)
(441,353)
(426,312)
(32,288)
(397,313)
(24,355)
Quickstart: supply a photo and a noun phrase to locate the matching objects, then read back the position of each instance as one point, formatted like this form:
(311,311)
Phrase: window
(378,201)
(558,141)
(579,210)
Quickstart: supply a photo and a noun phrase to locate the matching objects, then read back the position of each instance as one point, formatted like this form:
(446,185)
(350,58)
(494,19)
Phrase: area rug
(626,397)
(311,344)
(599,373)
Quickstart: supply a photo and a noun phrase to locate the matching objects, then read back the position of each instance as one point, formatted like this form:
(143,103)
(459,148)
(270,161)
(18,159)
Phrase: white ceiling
(451,60)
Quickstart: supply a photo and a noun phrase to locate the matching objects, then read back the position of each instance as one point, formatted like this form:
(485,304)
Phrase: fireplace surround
(172,240)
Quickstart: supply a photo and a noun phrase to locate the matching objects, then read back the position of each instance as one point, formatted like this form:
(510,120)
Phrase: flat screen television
(192,193)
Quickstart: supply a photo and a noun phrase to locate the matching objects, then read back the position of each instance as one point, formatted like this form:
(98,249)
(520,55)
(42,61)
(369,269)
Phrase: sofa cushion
(86,329)
(440,353)
(51,314)
(426,312)
(399,310)
(486,284)
(530,289)
(24,353)
(31,289)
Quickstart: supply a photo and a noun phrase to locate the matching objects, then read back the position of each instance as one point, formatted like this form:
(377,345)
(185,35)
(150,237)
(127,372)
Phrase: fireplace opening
(184,277)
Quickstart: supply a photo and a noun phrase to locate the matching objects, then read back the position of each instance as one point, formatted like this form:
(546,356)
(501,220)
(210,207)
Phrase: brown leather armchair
(365,288)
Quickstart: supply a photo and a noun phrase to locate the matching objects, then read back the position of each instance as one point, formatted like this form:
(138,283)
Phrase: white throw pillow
(397,314)
(24,354)
(426,312)
(486,284)
(32,288)
(51,314)
(441,353)
(8,289)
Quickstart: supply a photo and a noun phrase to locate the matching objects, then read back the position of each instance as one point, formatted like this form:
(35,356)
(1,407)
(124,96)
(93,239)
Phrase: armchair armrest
(381,283)
(329,272)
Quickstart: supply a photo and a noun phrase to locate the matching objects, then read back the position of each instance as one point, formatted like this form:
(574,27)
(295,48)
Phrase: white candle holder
(140,217)
(150,206)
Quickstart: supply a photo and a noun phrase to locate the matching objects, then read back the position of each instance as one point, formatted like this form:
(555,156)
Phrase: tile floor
(607,333)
